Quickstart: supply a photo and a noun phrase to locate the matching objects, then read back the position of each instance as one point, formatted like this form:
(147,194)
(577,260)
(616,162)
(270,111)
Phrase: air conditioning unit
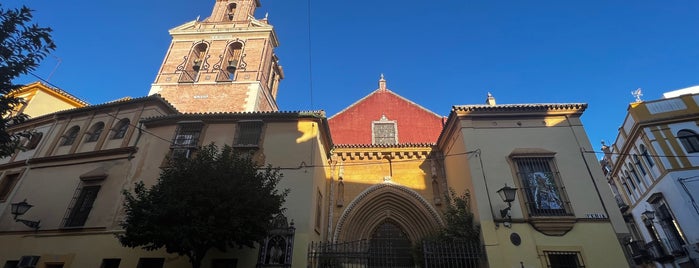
(28,261)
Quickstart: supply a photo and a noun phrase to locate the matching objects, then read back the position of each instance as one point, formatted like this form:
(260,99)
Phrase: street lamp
(18,209)
(507,194)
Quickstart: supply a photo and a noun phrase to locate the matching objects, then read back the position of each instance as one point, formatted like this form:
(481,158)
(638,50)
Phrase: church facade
(379,169)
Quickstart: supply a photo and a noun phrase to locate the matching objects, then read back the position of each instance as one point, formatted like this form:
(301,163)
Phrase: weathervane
(637,93)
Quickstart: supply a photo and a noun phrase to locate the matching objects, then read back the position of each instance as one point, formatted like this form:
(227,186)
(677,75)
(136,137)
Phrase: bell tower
(224,63)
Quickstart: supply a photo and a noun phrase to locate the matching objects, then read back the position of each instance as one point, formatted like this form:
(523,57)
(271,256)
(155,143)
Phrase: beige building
(41,99)
(368,182)
(563,213)
(653,170)
(74,178)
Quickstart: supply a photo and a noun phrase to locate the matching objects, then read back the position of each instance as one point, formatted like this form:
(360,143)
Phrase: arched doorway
(389,246)
(387,202)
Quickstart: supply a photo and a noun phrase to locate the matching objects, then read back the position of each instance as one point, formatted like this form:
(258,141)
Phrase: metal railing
(657,252)
(637,250)
(385,254)
(346,254)
(447,254)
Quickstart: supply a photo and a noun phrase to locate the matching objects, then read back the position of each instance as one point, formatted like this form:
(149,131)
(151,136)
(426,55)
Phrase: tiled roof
(400,145)
(58,91)
(225,115)
(522,107)
(110,104)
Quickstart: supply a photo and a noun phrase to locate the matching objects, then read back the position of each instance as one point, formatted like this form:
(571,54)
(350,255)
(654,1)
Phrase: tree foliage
(458,218)
(217,199)
(459,225)
(22,46)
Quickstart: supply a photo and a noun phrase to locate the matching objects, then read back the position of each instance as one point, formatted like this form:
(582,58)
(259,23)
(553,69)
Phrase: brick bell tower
(224,63)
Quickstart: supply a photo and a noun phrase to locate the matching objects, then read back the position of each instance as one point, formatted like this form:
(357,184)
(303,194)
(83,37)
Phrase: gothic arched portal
(387,203)
(389,246)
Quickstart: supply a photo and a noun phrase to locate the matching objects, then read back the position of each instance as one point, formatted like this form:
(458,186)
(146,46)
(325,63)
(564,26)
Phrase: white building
(653,169)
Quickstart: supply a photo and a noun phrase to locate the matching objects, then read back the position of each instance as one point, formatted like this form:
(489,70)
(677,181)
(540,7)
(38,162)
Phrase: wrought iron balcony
(620,202)
(657,252)
(638,252)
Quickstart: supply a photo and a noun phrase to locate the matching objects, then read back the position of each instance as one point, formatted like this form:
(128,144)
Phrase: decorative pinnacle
(637,93)
(382,83)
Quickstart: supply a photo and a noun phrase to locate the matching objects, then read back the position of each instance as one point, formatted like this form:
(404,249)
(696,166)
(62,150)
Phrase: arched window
(389,239)
(95,132)
(646,156)
(638,163)
(198,54)
(629,181)
(196,61)
(689,140)
(230,11)
(120,129)
(233,53)
(634,174)
(70,136)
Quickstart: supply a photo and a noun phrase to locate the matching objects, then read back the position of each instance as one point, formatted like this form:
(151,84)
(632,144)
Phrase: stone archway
(384,202)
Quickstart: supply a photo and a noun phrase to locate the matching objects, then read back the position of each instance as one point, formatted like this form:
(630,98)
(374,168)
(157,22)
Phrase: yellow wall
(491,141)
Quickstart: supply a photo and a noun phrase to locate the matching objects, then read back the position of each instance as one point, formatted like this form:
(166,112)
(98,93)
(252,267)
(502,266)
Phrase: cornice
(73,157)
(383,153)
(520,109)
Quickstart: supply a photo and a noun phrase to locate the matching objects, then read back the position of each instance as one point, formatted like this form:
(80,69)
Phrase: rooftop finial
(490,100)
(382,83)
(637,93)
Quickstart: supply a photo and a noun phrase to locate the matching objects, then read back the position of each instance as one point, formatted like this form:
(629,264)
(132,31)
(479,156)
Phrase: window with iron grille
(187,136)
(82,206)
(384,131)
(248,134)
(563,259)
(186,140)
(542,188)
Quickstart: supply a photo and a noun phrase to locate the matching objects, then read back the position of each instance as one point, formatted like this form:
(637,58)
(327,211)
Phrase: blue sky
(435,53)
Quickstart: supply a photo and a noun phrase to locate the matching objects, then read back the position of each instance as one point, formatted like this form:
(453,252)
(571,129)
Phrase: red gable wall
(415,124)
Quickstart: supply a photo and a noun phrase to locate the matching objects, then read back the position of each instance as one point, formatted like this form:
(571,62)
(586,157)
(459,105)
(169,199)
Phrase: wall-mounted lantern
(18,209)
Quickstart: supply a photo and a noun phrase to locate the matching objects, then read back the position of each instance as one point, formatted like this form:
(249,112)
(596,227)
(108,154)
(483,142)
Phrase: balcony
(638,252)
(620,202)
(657,252)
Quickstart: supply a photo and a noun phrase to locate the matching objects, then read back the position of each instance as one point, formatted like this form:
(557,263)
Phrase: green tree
(217,199)
(22,46)
(459,227)
(458,218)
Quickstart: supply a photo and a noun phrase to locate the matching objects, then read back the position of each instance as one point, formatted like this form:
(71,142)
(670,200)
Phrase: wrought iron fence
(385,254)
(457,254)
(346,254)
